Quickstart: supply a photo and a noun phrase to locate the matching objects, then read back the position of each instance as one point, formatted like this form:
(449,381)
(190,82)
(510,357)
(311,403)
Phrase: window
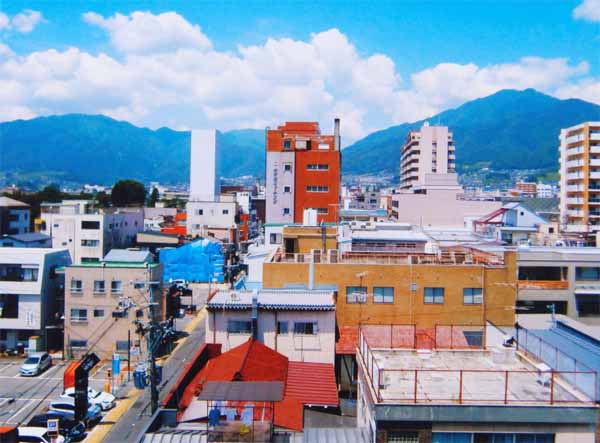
(287,189)
(588,305)
(239,327)
(78,315)
(116,287)
(322,211)
(549,273)
(98,313)
(316,188)
(472,296)
(434,296)
(287,144)
(317,167)
(587,274)
(225,211)
(78,343)
(286,211)
(76,286)
(275,239)
(383,295)
(282,327)
(99,287)
(9,306)
(90,260)
(122,345)
(541,306)
(90,224)
(287,167)
(356,294)
(18,273)
(90,243)
(305,328)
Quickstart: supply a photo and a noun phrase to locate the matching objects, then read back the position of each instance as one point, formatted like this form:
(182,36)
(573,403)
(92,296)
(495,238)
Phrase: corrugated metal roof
(9,202)
(335,435)
(127,255)
(29,237)
(274,299)
(175,436)
(242,391)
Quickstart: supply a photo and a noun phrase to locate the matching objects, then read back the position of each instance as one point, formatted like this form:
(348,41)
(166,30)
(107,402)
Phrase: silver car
(36,363)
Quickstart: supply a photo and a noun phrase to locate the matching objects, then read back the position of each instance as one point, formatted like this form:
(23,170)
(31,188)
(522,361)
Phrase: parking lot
(23,397)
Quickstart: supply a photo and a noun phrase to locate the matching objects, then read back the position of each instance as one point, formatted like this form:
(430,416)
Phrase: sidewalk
(132,412)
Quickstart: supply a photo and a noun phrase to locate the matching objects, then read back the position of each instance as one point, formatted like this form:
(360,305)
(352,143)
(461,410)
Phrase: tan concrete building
(580,177)
(101,302)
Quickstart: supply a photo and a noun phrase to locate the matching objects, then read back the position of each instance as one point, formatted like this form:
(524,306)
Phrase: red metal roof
(312,383)
(348,340)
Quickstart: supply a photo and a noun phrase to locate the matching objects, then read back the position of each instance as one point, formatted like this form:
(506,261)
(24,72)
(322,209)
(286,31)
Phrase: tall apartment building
(14,216)
(303,171)
(427,159)
(580,177)
(88,233)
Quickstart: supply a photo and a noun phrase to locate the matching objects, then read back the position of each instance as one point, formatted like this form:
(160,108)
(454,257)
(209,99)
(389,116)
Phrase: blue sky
(250,64)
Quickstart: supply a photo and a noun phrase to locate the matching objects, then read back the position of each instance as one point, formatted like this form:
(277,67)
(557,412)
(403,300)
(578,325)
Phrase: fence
(411,337)
(578,374)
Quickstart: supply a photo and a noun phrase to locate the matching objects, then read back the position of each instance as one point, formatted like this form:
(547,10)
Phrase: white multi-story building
(580,177)
(544,190)
(14,216)
(89,233)
(31,295)
(299,324)
(427,159)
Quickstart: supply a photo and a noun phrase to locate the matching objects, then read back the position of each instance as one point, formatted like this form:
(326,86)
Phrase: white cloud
(173,76)
(143,32)
(4,21)
(26,20)
(5,51)
(588,10)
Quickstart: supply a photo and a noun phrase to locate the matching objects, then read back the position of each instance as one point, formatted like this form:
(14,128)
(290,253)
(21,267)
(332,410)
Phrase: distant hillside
(98,149)
(509,130)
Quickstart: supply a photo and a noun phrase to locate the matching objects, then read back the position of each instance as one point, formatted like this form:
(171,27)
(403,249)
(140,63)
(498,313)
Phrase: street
(23,397)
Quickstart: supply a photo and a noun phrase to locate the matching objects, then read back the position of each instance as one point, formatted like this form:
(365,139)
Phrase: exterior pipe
(336,134)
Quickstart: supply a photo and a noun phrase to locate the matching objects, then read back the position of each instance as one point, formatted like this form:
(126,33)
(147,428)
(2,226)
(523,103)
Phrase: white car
(36,434)
(105,400)
(36,363)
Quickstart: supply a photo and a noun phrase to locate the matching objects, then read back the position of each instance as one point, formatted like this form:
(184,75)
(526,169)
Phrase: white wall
(311,348)
(212,216)
(277,180)
(204,163)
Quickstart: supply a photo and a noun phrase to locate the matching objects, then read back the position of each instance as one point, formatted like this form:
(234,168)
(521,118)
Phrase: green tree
(153,198)
(50,193)
(103,199)
(128,192)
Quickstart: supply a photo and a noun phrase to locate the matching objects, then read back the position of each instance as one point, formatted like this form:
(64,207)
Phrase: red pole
(415,391)
(505,387)
(460,386)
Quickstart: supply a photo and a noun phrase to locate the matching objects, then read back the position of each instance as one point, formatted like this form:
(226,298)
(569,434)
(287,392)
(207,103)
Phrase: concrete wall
(277,179)
(499,289)
(311,348)
(204,163)
(212,216)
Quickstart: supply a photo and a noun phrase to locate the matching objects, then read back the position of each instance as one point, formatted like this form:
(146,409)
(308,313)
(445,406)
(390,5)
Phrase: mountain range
(507,130)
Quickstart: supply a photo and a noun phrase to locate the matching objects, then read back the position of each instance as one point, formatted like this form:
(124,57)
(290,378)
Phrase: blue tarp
(200,261)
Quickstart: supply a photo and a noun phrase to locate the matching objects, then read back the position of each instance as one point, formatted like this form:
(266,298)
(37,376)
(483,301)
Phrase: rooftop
(29,237)
(389,234)
(308,300)
(11,202)
(127,256)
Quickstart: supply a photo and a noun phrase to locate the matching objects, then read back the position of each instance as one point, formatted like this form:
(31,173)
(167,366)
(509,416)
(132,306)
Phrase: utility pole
(152,345)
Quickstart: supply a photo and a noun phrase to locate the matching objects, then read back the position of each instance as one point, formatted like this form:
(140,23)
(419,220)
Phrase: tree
(50,194)
(128,192)
(103,199)
(153,198)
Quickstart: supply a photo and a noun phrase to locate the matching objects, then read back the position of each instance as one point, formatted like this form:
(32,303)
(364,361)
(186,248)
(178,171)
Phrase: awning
(242,391)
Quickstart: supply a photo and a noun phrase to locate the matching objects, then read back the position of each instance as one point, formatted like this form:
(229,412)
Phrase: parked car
(103,399)
(70,429)
(35,364)
(66,407)
(35,434)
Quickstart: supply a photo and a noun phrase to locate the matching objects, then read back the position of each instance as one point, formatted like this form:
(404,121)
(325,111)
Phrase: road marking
(29,378)
(6,367)
(19,411)
(48,372)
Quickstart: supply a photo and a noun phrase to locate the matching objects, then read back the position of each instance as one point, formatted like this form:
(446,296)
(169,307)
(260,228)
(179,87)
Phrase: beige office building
(102,300)
(580,177)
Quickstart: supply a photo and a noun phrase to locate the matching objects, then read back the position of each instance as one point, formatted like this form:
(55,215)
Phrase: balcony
(595,149)
(574,200)
(574,188)
(544,285)
(595,162)
(575,176)
(595,175)
(574,139)
(574,163)
(575,213)
(594,135)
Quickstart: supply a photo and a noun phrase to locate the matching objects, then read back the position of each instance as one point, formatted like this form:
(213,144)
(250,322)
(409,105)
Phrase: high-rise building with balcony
(427,159)
(580,177)
(303,172)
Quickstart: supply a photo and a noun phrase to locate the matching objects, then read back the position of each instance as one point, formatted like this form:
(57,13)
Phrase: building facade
(427,158)
(31,295)
(87,232)
(580,177)
(101,302)
(303,172)
(299,324)
(14,217)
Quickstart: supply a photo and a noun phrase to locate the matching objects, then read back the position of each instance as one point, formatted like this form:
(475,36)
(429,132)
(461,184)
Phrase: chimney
(336,134)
